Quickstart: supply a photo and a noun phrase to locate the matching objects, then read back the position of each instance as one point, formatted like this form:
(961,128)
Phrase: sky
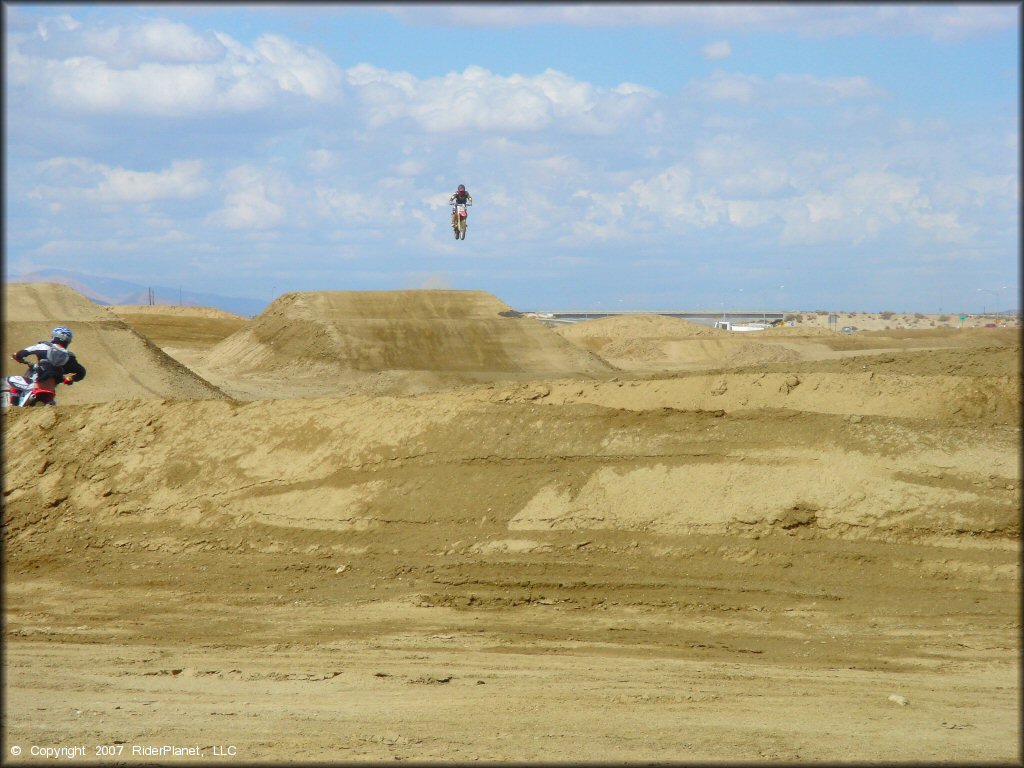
(620,157)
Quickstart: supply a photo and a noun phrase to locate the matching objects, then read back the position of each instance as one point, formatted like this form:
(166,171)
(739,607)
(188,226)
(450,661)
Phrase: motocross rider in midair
(53,362)
(461,197)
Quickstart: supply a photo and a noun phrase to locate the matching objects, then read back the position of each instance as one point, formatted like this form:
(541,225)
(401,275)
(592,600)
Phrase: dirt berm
(399,341)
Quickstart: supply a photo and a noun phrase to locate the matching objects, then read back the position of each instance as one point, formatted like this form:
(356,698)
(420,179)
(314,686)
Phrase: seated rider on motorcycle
(53,361)
(462,197)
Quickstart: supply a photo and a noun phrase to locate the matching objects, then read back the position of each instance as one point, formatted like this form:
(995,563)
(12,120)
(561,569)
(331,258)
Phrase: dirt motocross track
(457,534)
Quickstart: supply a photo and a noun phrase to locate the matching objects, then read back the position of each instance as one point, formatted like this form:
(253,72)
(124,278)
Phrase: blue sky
(859,157)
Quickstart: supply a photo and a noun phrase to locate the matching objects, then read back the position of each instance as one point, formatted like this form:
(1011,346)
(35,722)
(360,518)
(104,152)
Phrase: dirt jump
(418,525)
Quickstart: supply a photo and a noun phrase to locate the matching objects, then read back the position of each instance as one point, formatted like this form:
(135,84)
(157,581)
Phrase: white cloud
(181,180)
(122,47)
(479,100)
(297,69)
(863,206)
(807,88)
(64,23)
(409,168)
(823,208)
(993,190)
(248,203)
(744,167)
(948,22)
(628,89)
(719,50)
(165,68)
(83,179)
(783,89)
(726,87)
(747,213)
(343,205)
(939,22)
(554,167)
(169,41)
(322,160)
(714,195)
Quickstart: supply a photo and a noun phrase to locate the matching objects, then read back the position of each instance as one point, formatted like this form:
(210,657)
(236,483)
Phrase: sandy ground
(417,525)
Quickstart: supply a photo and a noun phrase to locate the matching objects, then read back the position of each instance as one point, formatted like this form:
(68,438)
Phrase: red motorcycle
(459,217)
(22,392)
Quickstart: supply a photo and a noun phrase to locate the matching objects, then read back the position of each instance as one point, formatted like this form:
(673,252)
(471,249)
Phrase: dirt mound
(943,398)
(181,331)
(174,310)
(641,326)
(549,461)
(1001,362)
(663,343)
(49,303)
(750,352)
(636,342)
(415,330)
(120,364)
(800,329)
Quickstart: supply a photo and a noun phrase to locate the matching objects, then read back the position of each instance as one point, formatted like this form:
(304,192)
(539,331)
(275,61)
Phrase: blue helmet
(62,334)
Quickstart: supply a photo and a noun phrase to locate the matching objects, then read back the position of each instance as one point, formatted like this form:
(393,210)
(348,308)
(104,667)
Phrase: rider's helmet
(62,335)
(462,187)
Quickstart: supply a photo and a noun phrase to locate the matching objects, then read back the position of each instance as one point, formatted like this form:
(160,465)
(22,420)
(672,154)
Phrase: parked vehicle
(730,326)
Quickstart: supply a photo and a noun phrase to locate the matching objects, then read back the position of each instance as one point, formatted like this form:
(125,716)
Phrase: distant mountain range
(111,291)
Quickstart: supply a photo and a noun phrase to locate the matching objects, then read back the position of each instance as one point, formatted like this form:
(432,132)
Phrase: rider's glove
(16,358)
(69,380)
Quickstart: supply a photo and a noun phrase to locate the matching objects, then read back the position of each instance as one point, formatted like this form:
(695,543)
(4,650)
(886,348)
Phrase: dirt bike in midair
(459,217)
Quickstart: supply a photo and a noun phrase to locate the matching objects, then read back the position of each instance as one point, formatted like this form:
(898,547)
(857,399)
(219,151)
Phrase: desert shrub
(797,318)
(918,316)
(887,315)
(943,318)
